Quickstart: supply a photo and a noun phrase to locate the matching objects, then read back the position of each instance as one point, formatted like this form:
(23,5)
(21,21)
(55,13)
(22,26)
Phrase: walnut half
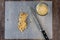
(22,23)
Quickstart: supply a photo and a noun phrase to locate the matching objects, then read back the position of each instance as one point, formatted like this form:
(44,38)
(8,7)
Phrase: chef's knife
(37,22)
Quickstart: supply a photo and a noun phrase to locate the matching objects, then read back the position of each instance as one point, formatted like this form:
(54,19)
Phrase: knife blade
(38,23)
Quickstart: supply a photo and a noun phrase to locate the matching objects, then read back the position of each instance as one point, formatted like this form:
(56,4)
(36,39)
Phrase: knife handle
(45,35)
